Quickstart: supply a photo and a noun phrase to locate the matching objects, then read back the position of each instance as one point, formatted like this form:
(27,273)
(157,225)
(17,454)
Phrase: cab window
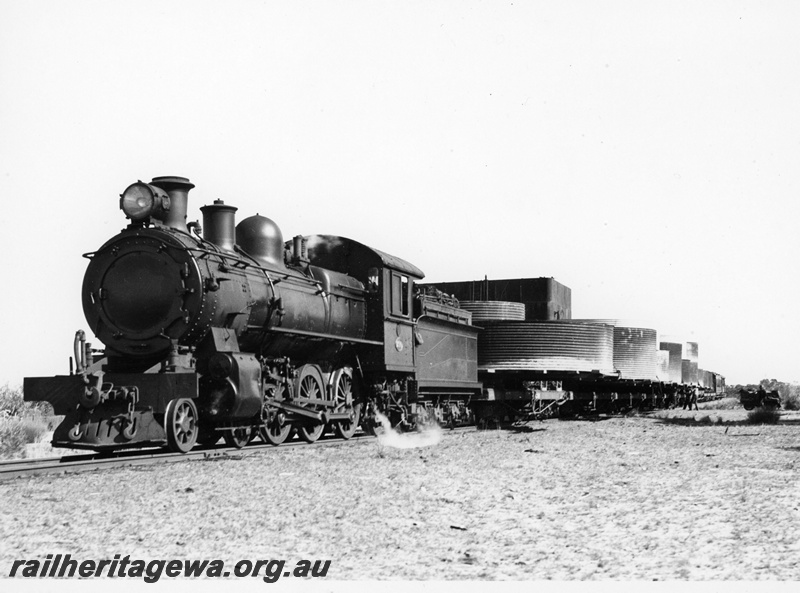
(373,280)
(400,295)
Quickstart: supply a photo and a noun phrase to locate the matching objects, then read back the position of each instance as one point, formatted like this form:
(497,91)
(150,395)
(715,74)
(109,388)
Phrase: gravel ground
(664,496)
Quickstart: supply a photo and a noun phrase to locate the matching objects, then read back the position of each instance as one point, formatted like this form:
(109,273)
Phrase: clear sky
(645,154)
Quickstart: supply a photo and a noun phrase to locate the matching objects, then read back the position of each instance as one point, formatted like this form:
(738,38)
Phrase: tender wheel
(238,437)
(180,424)
(342,389)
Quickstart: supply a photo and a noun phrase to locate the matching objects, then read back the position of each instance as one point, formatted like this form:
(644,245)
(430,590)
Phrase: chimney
(178,190)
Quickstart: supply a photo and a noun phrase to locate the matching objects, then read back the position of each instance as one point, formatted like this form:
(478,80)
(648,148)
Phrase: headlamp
(141,201)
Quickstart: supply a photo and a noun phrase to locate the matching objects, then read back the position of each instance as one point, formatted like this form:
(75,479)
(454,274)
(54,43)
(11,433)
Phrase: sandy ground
(671,495)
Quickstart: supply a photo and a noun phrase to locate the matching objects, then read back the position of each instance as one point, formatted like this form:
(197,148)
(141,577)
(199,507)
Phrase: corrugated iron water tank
(675,351)
(494,310)
(635,350)
(546,346)
(691,351)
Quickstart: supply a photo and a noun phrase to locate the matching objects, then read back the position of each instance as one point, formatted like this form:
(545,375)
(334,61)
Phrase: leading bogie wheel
(181,424)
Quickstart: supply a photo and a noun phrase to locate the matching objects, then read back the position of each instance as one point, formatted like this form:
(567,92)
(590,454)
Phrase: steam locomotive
(226,330)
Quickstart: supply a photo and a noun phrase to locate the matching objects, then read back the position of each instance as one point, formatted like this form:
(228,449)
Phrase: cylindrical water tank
(635,350)
(494,310)
(546,346)
(675,351)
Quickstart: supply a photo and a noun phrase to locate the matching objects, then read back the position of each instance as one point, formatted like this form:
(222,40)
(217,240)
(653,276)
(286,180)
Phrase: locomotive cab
(424,359)
(390,285)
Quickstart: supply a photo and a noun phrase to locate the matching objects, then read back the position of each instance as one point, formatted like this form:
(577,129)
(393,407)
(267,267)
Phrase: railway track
(20,468)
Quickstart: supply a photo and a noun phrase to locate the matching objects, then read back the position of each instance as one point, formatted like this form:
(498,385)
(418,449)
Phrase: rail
(20,468)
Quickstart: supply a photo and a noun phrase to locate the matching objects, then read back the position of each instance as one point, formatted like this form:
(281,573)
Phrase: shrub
(12,437)
(726,403)
(791,401)
(21,422)
(11,402)
(17,432)
(764,416)
(33,429)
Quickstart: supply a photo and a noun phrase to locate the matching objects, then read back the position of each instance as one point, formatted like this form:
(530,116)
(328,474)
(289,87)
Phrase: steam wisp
(427,437)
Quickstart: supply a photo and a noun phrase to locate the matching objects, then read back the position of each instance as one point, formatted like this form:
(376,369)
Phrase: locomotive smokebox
(178,190)
(219,224)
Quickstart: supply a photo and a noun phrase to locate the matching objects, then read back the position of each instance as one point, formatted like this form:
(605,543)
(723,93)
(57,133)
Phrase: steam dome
(261,238)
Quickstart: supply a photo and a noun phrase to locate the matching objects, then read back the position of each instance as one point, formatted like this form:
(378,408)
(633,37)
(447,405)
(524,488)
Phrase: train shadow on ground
(518,428)
(523,428)
(710,420)
(589,417)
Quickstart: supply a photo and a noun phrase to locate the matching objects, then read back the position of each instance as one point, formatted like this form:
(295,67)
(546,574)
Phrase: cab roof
(351,257)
